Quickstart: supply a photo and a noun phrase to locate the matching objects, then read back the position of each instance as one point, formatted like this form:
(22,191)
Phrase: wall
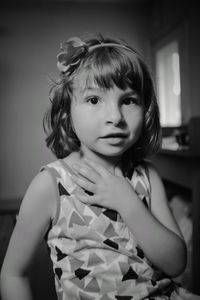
(181,17)
(30,36)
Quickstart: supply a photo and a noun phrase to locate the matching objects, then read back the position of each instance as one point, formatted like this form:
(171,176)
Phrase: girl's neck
(110,163)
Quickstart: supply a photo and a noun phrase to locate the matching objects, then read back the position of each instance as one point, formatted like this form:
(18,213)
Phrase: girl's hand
(105,189)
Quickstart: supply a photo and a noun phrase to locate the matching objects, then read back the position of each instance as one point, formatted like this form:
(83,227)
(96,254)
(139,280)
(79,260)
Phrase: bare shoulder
(40,195)
(42,183)
(157,186)
(154,174)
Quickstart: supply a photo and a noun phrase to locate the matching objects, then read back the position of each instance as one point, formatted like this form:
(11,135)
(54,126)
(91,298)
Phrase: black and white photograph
(100,150)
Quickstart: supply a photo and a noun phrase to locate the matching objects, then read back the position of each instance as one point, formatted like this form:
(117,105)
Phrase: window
(168,84)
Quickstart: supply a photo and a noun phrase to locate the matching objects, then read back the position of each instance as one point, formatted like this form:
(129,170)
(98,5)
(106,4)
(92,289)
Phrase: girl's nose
(114,114)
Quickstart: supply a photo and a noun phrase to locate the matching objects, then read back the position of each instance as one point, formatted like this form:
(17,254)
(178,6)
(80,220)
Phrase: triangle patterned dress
(94,254)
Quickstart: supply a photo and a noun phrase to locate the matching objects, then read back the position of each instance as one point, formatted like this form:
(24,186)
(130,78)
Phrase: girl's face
(106,121)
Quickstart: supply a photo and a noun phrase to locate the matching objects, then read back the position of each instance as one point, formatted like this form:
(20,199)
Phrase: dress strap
(66,166)
(141,183)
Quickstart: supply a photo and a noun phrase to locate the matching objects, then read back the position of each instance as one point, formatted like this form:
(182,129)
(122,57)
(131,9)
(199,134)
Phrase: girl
(101,207)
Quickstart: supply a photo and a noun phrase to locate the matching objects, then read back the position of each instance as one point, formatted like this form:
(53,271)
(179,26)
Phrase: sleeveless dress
(94,254)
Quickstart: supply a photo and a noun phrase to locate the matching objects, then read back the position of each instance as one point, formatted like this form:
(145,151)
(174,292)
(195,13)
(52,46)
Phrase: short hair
(116,65)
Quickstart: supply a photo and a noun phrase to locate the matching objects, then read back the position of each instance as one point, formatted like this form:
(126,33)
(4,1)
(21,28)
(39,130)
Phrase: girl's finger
(90,200)
(84,183)
(87,172)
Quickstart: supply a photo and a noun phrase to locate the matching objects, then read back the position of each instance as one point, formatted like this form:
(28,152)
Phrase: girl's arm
(36,211)
(157,233)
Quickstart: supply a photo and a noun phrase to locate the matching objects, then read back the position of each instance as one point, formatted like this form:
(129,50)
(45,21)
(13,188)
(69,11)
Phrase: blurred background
(165,32)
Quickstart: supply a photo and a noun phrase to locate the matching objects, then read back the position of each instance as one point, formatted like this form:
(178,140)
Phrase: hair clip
(71,54)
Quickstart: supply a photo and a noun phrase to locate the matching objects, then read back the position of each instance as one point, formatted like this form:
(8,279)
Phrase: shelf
(182,152)
(177,152)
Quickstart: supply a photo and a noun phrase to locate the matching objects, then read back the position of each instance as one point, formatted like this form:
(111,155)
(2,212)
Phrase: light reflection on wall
(168,84)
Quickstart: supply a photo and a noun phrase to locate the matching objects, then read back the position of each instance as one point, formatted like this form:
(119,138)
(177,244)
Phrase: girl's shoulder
(48,185)
(39,198)
(141,173)
(145,179)
(140,180)
(153,174)
(147,170)
(60,170)
(60,166)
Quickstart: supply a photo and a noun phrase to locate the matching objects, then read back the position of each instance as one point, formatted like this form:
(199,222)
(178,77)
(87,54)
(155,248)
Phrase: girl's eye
(93,100)
(130,100)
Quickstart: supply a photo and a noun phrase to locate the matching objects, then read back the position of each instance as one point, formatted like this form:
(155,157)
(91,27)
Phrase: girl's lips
(115,135)
(115,139)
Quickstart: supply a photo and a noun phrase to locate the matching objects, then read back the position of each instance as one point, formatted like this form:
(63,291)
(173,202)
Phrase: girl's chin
(107,151)
(108,154)
(114,150)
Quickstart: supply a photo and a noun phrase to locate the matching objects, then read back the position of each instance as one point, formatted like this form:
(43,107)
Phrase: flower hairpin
(71,53)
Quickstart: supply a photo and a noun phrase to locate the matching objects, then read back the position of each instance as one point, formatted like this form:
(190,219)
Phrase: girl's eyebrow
(130,93)
(90,89)
(96,89)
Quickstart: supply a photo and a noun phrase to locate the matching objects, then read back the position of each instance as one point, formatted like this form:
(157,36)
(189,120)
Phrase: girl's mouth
(116,139)
(115,135)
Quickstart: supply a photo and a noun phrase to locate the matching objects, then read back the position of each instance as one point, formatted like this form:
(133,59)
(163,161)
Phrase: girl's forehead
(82,86)
(84,80)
